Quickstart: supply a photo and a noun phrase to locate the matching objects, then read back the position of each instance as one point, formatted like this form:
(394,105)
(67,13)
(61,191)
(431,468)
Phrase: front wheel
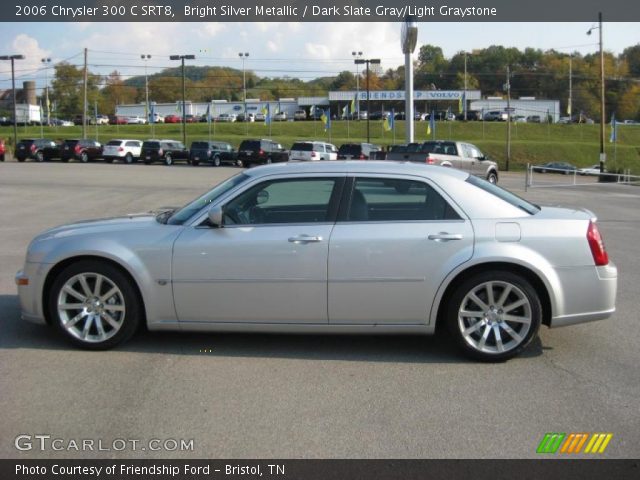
(493,316)
(216,161)
(40,156)
(84,157)
(239,163)
(168,160)
(94,305)
(128,158)
(492,177)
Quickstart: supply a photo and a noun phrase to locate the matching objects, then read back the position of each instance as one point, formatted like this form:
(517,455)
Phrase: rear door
(391,249)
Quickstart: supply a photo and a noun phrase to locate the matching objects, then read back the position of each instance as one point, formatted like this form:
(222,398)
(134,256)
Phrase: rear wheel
(84,157)
(239,163)
(492,177)
(128,158)
(268,160)
(94,305)
(108,160)
(216,161)
(168,160)
(195,163)
(493,316)
(40,156)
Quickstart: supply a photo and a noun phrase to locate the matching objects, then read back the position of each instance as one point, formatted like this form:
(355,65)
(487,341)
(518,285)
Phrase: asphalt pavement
(288,396)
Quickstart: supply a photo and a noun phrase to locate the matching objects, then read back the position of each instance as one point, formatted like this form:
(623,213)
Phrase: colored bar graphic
(572,443)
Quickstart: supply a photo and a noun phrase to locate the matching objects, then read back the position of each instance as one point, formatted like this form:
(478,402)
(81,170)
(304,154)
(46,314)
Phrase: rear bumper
(589,294)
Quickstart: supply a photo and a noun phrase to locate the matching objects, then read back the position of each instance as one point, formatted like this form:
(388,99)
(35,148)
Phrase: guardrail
(574,178)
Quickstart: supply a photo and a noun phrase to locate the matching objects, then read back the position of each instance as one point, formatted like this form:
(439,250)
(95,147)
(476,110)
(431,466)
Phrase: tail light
(362,157)
(208,152)
(33,147)
(313,154)
(596,245)
(429,160)
(261,152)
(160,151)
(76,149)
(120,149)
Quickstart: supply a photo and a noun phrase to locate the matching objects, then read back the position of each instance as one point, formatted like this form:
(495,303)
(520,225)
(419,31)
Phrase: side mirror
(215,216)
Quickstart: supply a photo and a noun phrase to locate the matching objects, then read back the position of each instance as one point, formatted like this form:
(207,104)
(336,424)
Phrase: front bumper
(30,282)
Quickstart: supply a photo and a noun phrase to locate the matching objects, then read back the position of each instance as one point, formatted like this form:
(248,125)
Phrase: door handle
(445,237)
(301,239)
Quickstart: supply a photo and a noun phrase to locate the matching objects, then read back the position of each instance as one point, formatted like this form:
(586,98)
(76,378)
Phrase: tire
(84,157)
(269,160)
(543,171)
(2,158)
(168,161)
(108,160)
(239,163)
(476,334)
(89,318)
(40,157)
(21,160)
(492,177)
(128,159)
(216,161)
(195,163)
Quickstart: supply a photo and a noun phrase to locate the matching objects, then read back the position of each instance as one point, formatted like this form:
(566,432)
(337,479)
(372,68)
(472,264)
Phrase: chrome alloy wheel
(495,317)
(91,307)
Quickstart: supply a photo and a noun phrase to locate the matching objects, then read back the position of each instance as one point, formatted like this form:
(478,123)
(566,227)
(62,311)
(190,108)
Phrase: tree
(632,56)
(344,81)
(116,92)
(67,90)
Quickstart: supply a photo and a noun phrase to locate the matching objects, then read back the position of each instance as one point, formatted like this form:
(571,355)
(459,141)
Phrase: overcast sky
(303,50)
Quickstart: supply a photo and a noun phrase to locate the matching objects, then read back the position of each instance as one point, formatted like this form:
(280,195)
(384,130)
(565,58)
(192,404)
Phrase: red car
(2,150)
(172,119)
(117,120)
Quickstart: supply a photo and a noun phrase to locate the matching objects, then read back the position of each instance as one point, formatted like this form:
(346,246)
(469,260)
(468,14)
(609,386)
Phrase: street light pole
(13,89)
(243,57)
(146,58)
(603,155)
(373,61)
(182,58)
(357,55)
(46,62)
(464,105)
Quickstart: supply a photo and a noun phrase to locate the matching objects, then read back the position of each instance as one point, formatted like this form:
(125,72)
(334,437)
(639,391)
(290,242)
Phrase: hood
(107,225)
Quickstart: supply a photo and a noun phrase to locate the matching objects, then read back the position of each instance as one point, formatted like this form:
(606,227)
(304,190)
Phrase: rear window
(302,146)
(442,148)
(114,143)
(71,142)
(199,145)
(151,145)
(350,149)
(250,145)
(503,194)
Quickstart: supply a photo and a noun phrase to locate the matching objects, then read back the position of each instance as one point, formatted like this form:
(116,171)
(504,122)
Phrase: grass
(531,143)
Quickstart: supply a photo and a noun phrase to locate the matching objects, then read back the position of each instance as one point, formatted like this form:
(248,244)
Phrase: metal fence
(540,176)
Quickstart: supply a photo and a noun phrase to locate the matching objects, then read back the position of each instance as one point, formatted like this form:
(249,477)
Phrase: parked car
(280,117)
(156,118)
(312,151)
(126,150)
(555,167)
(117,120)
(40,149)
(518,119)
(246,117)
(379,115)
(357,151)
(2,150)
(252,152)
(136,120)
(99,120)
(328,247)
(259,117)
(226,117)
(495,116)
(58,122)
(472,115)
(190,119)
(172,119)
(447,153)
(166,151)
(534,119)
(592,170)
(216,153)
(84,149)
(299,115)
(77,120)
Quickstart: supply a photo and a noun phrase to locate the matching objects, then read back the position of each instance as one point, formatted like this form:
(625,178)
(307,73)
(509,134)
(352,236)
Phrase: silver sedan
(328,247)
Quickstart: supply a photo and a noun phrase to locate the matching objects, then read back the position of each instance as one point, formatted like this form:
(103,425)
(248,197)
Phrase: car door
(268,263)
(391,249)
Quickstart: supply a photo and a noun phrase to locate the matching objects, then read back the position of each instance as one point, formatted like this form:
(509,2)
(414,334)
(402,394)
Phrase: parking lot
(287,396)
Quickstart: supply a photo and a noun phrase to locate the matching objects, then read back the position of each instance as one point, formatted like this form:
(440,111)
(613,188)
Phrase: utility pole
(570,106)
(84,107)
(12,58)
(507,86)
(360,61)
(184,93)
(603,155)
(146,58)
(464,104)
(356,56)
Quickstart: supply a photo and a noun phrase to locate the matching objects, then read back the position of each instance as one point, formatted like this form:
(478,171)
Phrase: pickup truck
(464,156)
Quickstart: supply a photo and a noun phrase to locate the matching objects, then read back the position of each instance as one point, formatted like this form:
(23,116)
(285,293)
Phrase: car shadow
(439,348)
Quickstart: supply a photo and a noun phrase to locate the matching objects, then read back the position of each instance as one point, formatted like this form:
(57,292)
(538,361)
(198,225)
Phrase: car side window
(283,201)
(390,199)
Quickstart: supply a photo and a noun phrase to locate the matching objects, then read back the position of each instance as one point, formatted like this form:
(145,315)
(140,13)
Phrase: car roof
(359,167)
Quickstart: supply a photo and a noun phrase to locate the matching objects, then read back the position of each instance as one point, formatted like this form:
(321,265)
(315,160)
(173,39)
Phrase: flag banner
(353,103)
(614,133)
(345,111)
(209,113)
(569,107)
(461,103)
(392,119)
(152,115)
(326,119)
(431,128)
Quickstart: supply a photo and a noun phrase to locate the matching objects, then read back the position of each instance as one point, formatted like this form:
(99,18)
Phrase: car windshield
(302,147)
(349,149)
(114,143)
(185,213)
(503,194)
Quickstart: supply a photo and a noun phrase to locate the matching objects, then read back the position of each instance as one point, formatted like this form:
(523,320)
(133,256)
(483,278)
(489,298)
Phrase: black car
(167,151)
(556,167)
(215,153)
(84,149)
(253,152)
(40,149)
(357,151)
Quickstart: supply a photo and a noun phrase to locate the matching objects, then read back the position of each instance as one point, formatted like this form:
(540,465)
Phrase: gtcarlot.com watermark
(47,442)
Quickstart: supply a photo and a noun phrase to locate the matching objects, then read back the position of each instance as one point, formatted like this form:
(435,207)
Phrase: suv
(357,151)
(496,116)
(167,151)
(39,149)
(84,150)
(312,151)
(127,150)
(263,151)
(299,115)
(216,153)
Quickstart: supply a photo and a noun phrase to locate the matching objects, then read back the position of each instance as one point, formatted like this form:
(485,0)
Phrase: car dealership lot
(291,396)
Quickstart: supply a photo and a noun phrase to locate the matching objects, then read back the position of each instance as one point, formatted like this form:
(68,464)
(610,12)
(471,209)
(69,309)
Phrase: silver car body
(364,276)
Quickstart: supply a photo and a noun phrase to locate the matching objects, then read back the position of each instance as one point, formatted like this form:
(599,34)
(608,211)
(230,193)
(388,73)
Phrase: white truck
(28,114)
(461,155)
